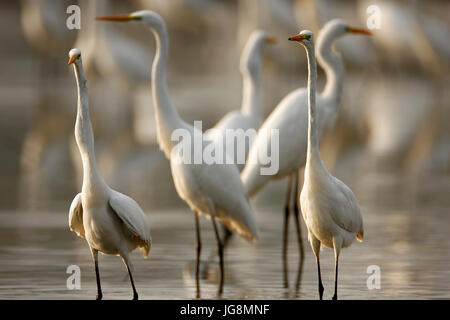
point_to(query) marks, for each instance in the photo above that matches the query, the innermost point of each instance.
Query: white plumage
(110, 221)
(250, 115)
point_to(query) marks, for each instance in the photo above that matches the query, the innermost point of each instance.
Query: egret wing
(132, 216)
(349, 216)
(76, 216)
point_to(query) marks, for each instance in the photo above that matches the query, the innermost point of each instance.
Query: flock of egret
(113, 223)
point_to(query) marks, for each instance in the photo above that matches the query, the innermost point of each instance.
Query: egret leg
(320, 279)
(199, 250)
(227, 235)
(337, 244)
(336, 264)
(97, 274)
(315, 246)
(220, 253)
(285, 233)
(135, 294)
(298, 189)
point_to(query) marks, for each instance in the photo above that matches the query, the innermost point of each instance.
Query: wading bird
(330, 209)
(250, 115)
(215, 190)
(110, 221)
(290, 118)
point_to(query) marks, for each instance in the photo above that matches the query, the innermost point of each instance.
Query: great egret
(215, 190)
(110, 221)
(330, 209)
(290, 118)
(250, 115)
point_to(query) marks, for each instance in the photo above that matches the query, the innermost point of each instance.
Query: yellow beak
(359, 30)
(271, 40)
(72, 58)
(115, 18)
(297, 37)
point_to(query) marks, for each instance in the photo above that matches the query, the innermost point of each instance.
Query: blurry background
(391, 144)
(393, 128)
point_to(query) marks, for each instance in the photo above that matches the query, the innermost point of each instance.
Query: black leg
(227, 235)
(320, 279)
(220, 253)
(286, 233)
(336, 264)
(197, 262)
(135, 294)
(299, 230)
(97, 274)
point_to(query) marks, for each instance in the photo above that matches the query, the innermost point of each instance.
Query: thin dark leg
(286, 233)
(336, 277)
(220, 253)
(197, 262)
(320, 279)
(135, 294)
(299, 230)
(97, 274)
(227, 235)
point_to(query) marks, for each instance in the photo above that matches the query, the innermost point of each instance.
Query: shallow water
(411, 249)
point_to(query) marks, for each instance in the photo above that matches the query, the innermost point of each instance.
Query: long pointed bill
(271, 40)
(72, 59)
(359, 30)
(123, 18)
(297, 37)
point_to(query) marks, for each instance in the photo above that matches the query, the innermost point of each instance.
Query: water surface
(411, 249)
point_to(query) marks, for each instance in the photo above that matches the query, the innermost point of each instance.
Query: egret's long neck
(333, 66)
(167, 118)
(83, 130)
(313, 139)
(250, 94)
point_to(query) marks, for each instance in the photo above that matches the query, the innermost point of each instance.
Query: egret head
(74, 55)
(338, 27)
(143, 16)
(251, 57)
(305, 37)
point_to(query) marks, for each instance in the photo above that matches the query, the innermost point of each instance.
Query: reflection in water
(410, 247)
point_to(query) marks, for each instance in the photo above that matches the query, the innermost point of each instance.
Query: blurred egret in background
(250, 116)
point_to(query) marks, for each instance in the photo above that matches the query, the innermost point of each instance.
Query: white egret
(290, 118)
(250, 116)
(110, 221)
(330, 209)
(215, 190)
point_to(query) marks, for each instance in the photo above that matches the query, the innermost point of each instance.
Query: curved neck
(167, 118)
(313, 140)
(333, 66)
(250, 95)
(83, 129)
